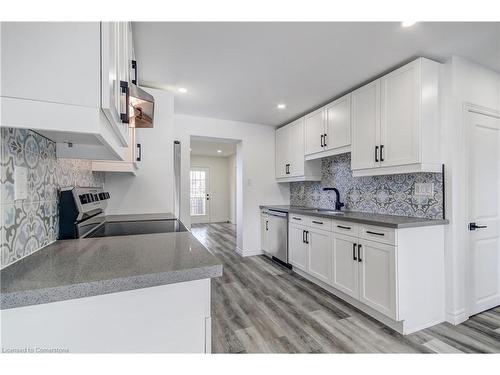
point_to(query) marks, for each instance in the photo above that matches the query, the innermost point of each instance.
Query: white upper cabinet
(290, 163)
(63, 80)
(328, 129)
(395, 122)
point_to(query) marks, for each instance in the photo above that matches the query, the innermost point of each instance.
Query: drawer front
(299, 219)
(345, 227)
(321, 223)
(378, 234)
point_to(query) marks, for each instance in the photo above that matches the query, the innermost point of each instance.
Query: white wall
(219, 186)
(151, 190)
(255, 154)
(463, 83)
(232, 189)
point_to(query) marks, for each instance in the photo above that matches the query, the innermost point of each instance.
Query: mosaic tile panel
(29, 224)
(391, 194)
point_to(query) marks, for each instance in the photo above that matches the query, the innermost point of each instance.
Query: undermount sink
(323, 211)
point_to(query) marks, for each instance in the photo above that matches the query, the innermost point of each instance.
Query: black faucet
(338, 203)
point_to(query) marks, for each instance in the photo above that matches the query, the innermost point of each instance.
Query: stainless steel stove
(82, 215)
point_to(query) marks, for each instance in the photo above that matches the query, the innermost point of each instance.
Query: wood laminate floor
(259, 306)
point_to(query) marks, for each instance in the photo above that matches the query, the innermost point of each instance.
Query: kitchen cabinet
(290, 163)
(63, 80)
(395, 122)
(377, 276)
(297, 248)
(345, 267)
(133, 156)
(396, 275)
(328, 129)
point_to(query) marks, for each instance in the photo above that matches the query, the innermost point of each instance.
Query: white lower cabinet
(377, 276)
(345, 265)
(394, 275)
(319, 254)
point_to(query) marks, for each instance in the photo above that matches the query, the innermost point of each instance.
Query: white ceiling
(204, 146)
(241, 71)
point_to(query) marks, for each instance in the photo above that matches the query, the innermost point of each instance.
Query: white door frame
(205, 218)
(469, 273)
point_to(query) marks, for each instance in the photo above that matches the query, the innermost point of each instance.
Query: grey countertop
(390, 221)
(88, 267)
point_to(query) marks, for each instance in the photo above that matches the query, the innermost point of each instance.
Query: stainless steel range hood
(141, 107)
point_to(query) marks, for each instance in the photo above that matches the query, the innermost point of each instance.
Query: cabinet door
(282, 148)
(296, 149)
(319, 254)
(297, 249)
(377, 277)
(345, 265)
(365, 121)
(314, 128)
(338, 123)
(263, 232)
(400, 116)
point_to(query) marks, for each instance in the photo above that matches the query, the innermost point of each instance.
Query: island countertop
(390, 221)
(70, 269)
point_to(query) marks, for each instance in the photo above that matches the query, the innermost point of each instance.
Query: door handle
(307, 236)
(322, 137)
(303, 236)
(376, 154)
(354, 252)
(124, 99)
(381, 152)
(359, 253)
(267, 225)
(375, 233)
(474, 226)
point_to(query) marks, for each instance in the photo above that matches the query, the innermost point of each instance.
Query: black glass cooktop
(127, 228)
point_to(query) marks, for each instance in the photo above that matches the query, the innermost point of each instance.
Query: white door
(365, 122)
(400, 116)
(314, 129)
(200, 195)
(345, 264)
(338, 123)
(484, 211)
(296, 148)
(282, 149)
(297, 248)
(319, 254)
(377, 276)
(264, 228)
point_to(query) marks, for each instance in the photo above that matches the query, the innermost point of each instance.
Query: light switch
(20, 183)
(424, 189)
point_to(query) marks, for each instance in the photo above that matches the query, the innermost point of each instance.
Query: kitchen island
(139, 293)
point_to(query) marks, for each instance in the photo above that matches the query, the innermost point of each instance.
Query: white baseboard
(251, 253)
(456, 317)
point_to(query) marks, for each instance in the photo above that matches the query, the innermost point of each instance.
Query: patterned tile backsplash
(391, 194)
(29, 224)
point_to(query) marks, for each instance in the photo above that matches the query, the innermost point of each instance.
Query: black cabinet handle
(381, 152)
(359, 253)
(341, 226)
(139, 152)
(354, 252)
(307, 236)
(317, 222)
(303, 236)
(296, 218)
(134, 66)
(324, 139)
(376, 154)
(267, 226)
(375, 233)
(124, 91)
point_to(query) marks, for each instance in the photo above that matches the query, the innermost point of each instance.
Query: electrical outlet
(424, 189)
(20, 183)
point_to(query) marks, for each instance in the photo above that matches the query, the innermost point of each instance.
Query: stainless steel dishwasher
(275, 243)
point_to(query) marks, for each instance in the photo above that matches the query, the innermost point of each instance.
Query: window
(198, 193)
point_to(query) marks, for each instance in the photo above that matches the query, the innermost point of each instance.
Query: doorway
(483, 135)
(199, 196)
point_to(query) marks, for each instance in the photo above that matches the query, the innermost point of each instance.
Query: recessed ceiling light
(219, 151)
(281, 106)
(182, 90)
(408, 23)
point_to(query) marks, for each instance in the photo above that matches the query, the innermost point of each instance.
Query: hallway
(261, 307)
